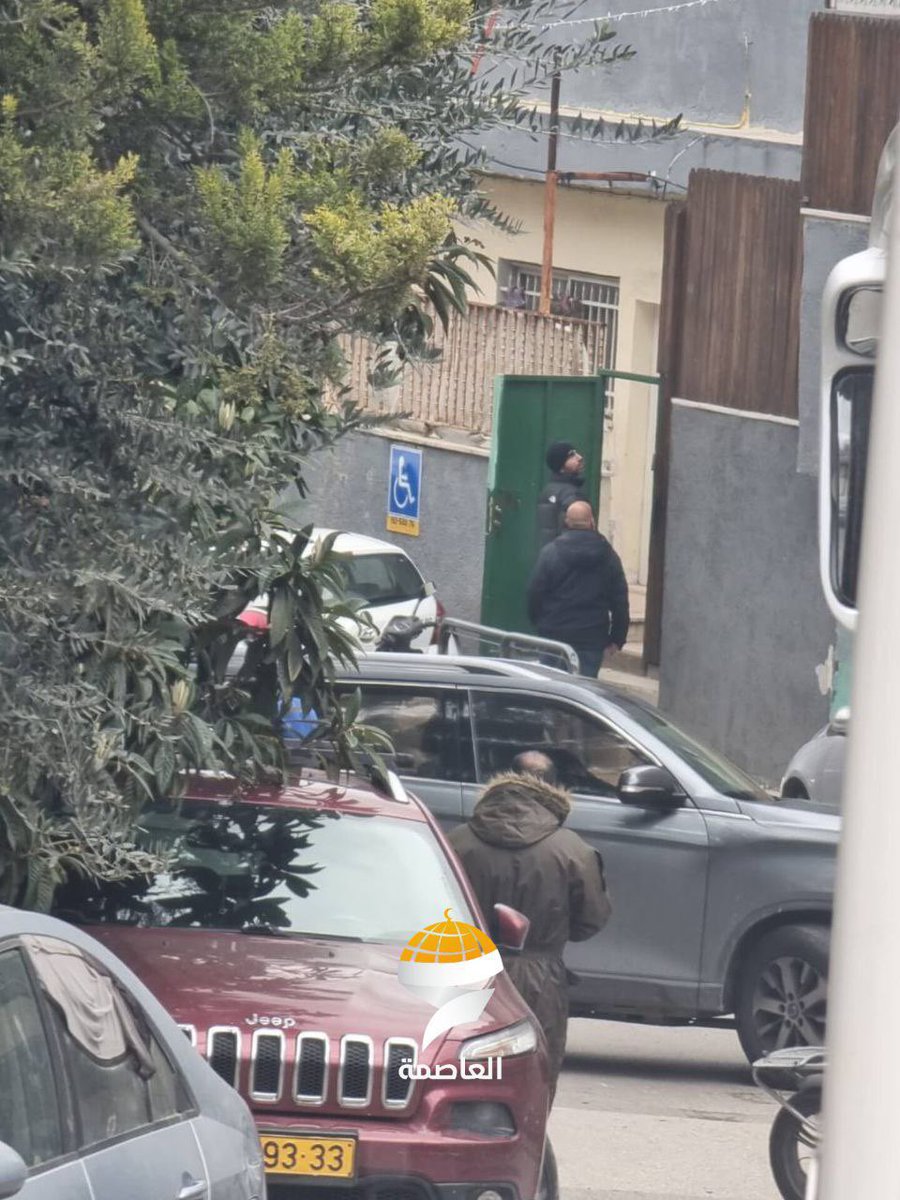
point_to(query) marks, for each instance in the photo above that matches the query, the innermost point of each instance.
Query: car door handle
(193, 1189)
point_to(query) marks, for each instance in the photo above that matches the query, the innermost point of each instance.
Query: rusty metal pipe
(550, 198)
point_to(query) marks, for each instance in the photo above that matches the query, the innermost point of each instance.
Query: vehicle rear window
(382, 578)
(266, 870)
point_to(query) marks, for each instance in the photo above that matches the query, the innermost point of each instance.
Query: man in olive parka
(515, 851)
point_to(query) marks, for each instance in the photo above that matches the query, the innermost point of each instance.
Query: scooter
(400, 632)
(794, 1078)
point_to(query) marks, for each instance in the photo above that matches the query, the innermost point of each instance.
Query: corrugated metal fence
(457, 389)
(852, 102)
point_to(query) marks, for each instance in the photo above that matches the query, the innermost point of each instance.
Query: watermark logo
(449, 965)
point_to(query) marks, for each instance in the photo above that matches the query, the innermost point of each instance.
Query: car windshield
(381, 578)
(281, 872)
(717, 771)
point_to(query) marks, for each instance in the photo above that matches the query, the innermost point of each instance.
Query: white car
(816, 772)
(386, 579)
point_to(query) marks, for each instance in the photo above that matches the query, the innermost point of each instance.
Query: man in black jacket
(565, 486)
(578, 592)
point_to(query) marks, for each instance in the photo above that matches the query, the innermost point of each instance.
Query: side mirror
(404, 764)
(851, 314)
(649, 787)
(511, 927)
(840, 722)
(13, 1172)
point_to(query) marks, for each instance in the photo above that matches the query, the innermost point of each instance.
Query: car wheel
(794, 789)
(782, 991)
(548, 1188)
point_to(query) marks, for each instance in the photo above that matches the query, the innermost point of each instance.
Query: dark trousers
(590, 658)
(543, 985)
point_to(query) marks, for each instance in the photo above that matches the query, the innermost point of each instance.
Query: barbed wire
(613, 17)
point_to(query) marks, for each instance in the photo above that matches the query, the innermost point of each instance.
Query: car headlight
(504, 1043)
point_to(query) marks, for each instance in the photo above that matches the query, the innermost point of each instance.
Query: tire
(794, 789)
(782, 991)
(548, 1188)
(789, 1149)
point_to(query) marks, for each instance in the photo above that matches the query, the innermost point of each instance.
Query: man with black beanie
(565, 486)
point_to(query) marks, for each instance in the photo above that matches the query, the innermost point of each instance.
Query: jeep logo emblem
(274, 1022)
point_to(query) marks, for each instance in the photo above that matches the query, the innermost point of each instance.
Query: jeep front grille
(267, 1059)
(223, 1045)
(312, 1067)
(397, 1090)
(355, 1086)
(307, 1070)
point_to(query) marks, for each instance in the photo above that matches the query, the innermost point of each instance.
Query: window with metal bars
(587, 297)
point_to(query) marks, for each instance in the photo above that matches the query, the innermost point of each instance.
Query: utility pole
(550, 198)
(551, 183)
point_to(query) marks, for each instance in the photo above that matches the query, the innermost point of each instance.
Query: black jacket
(578, 588)
(553, 502)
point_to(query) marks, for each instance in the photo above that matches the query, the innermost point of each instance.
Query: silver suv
(102, 1097)
(722, 894)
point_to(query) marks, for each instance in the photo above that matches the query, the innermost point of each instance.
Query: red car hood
(207, 978)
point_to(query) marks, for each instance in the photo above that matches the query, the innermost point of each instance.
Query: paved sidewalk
(647, 1113)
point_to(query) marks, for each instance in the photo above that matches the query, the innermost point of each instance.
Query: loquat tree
(196, 198)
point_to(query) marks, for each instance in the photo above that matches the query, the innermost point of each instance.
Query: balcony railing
(457, 389)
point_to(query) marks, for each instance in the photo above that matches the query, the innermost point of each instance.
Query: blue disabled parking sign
(404, 490)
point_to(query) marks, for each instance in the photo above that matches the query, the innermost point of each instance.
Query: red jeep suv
(274, 936)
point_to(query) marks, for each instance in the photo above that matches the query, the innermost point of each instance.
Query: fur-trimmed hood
(519, 810)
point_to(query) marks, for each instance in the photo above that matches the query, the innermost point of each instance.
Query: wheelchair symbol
(402, 487)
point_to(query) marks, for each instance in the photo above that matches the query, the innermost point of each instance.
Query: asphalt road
(644, 1112)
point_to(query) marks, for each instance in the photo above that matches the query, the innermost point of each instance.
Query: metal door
(530, 412)
(158, 1164)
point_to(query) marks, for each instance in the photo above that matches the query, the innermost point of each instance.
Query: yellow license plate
(323, 1158)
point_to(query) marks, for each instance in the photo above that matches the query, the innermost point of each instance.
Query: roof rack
(371, 661)
(504, 643)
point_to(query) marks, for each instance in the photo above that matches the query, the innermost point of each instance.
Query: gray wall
(744, 624)
(825, 242)
(518, 154)
(699, 61)
(348, 490)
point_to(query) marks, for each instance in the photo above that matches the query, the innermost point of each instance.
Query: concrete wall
(745, 624)
(701, 61)
(735, 71)
(516, 153)
(348, 490)
(825, 242)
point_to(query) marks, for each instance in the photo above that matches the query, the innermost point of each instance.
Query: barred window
(587, 297)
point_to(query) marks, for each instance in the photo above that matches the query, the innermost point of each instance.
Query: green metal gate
(530, 412)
